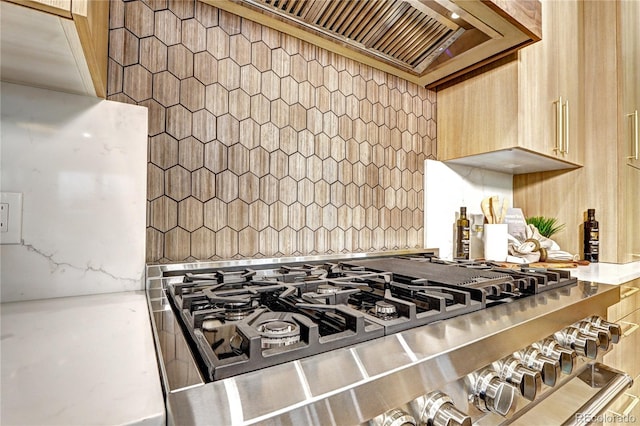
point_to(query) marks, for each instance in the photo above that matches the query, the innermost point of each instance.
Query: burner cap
(385, 310)
(277, 333)
(235, 311)
(327, 289)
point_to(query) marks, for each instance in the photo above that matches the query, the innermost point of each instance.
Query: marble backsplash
(449, 187)
(80, 164)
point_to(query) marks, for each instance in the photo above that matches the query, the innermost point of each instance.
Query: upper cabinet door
(629, 79)
(423, 41)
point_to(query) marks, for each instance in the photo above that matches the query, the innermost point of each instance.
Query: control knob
(584, 345)
(603, 334)
(614, 329)
(489, 393)
(437, 409)
(549, 368)
(552, 349)
(525, 379)
(395, 417)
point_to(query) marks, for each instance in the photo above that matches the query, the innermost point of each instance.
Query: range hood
(424, 41)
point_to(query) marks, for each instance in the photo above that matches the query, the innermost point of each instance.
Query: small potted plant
(547, 226)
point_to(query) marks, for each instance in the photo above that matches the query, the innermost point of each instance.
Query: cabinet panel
(629, 301)
(625, 356)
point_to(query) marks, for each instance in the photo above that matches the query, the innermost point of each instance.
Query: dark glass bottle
(591, 237)
(462, 235)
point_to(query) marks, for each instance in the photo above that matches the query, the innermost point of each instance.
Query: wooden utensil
(485, 205)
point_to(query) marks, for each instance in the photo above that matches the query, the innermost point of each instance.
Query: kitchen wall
(261, 144)
(79, 163)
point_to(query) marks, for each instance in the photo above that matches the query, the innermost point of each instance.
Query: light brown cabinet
(525, 115)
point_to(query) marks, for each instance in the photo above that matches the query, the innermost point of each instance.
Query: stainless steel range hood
(424, 41)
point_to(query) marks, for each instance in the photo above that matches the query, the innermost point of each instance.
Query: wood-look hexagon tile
(412, 238)
(240, 49)
(365, 153)
(157, 4)
(155, 182)
(314, 121)
(259, 161)
(305, 143)
(290, 44)
(330, 124)
(344, 219)
(258, 215)
(412, 199)
(178, 122)
(203, 243)
(194, 35)
(116, 14)
(321, 241)
(345, 171)
(215, 156)
(205, 68)
(329, 170)
(359, 174)
(306, 95)
(396, 218)
(136, 83)
(260, 109)
(384, 217)
(337, 193)
(287, 241)
(366, 196)
(407, 178)
(177, 244)
(431, 129)
(359, 88)
(239, 104)
(305, 192)
(315, 73)
(345, 83)
(123, 46)
(288, 190)
(180, 61)
(407, 219)
(280, 63)
(372, 132)
(251, 30)
(322, 146)
(227, 186)
(378, 114)
(190, 153)
(396, 139)
(183, 9)
(338, 103)
(365, 239)
(138, 18)
(314, 168)
(250, 79)
(248, 187)
(261, 56)
(248, 242)
(163, 214)
(297, 166)
(384, 136)
(177, 183)
(288, 140)
(203, 184)
(238, 159)
(418, 217)
(156, 116)
(352, 195)
(269, 136)
(289, 90)
(278, 215)
(218, 43)
(323, 99)
(330, 78)
(278, 164)
(115, 72)
(396, 178)
(352, 107)
(338, 148)
(358, 217)
(226, 242)
(268, 189)
(190, 214)
(306, 241)
(269, 242)
(390, 118)
(192, 94)
(401, 198)
(279, 113)
(389, 197)
(359, 130)
(271, 37)
(298, 68)
(249, 133)
(270, 84)
(229, 74)
(168, 27)
(153, 54)
(217, 99)
(314, 216)
(372, 175)
(352, 151)
(371, 217)
(228, 129)
(166, 89)
(206, 14)
(155, 245)
(204, 126)
(337, 241)
(238, 212)
(418, 181)
(215, 214)
(322, 193)
(297, 216)
(229, 22)
(163, 150)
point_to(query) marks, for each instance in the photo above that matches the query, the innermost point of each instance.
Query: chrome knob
(492, 394)
(603, 334)
(549, 368)
(584, 345)
(614, 329)
(552, 349)
(525, 379)
(395, 417)
(437, 409)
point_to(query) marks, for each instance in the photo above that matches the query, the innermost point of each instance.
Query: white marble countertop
(86, 360)
(608, 273)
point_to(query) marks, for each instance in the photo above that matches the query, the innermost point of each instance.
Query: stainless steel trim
(566, 126)
(634, 154)
(559, 135)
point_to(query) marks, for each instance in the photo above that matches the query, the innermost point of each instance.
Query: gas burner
(278, 333)
(236, 311)
(327, 289)
(384, 310)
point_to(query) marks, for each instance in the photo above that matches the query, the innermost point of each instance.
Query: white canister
(496, 243)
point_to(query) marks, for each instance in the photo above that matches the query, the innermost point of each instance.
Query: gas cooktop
(244, 318)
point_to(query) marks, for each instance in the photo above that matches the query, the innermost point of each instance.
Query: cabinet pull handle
(558, 147)
(631, 291)
(632, 404)
(632, 328)
(566, 126)
(634, 153)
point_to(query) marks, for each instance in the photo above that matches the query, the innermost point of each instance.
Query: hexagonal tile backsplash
(263, 145)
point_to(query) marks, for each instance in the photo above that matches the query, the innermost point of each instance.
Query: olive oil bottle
(591, 237)
(462, 235)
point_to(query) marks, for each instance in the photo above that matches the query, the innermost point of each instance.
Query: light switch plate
(11, 218)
